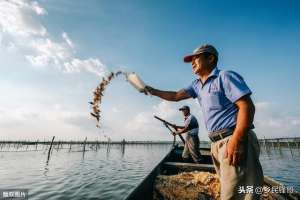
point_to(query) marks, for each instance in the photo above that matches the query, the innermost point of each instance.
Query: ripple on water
(107, 174)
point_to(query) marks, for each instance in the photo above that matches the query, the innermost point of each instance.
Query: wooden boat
(172, 164)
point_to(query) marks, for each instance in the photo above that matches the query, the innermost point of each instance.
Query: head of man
(185, 110)
(203, 59)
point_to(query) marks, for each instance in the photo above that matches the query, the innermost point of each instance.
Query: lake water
(109, 173)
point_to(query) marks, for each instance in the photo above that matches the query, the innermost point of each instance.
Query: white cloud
(48, 53)
(17, 17)
(144, 127)
(67, 39)
(295, 122)
(140, 122)
(273, 121)
(43, 121)
(262, 105)
(91, 65)
(20, 26)
(165, 109)
(115, 110)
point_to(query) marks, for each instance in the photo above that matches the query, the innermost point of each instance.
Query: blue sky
(53, 54)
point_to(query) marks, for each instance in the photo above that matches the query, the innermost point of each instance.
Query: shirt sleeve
(191, 90)
(234, 86)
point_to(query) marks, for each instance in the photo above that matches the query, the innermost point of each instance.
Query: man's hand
(174, 126)
(149, 89)
(177, 132)
(235, 151)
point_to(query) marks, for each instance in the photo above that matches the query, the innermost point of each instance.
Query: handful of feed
(98, 93)
(132, 78)
(187, 186)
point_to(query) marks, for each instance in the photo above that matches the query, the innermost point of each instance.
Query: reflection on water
(109, 171)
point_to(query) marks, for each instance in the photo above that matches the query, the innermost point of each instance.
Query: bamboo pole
(36, 144)
(49, 152)
(84, 144)
(265, 144)
(70, 146)
(290, 147)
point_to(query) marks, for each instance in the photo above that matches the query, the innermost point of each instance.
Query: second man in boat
(191, 127)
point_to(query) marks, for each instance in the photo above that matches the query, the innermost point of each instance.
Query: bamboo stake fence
(86, 145)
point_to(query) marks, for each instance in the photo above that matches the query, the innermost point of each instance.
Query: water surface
(110, 172)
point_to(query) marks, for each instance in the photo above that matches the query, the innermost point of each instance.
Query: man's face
(200, 63)
(185, 112)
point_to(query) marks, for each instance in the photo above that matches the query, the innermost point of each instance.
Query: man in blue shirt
(191, 127)
(228, 113)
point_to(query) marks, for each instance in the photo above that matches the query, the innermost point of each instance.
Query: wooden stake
(49, 152)
(84, 144)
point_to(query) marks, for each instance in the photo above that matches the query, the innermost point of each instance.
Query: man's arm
(169, 95)
(245, 116)
(182, 130)
(179, 127)
(185, 128)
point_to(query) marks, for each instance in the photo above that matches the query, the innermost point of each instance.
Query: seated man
(191, 127)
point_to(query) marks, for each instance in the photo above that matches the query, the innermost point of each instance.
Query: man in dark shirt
(191, 127)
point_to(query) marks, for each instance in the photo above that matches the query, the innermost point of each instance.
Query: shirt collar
(214, 72)
(185, 117)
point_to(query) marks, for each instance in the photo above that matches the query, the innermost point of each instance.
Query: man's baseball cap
(206, 48)
(184, 108)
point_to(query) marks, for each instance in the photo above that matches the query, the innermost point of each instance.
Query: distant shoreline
(34, 142)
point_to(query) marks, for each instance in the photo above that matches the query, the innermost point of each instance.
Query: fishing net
(195, 186)
(187, 186)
